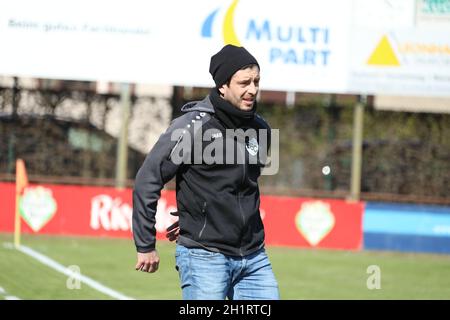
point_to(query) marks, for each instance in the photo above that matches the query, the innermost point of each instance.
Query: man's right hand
(173, 231)
(147, 262)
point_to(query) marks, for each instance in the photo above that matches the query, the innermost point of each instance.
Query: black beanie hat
(227, 61)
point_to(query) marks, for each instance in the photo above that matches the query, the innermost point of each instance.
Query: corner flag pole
(21, 184)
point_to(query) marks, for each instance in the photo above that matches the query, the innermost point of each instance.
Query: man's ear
(222, 89)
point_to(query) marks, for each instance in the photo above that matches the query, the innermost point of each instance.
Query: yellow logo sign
(228, 31)
(229, 34)
(383, 55)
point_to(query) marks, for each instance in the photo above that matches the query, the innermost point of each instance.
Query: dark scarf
(229, 115)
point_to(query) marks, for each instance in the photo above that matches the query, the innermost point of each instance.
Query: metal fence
(61, 133)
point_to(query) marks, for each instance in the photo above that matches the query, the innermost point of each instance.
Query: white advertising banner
(300, 45)
(393, 51)
(403, 62)
(88, 40)
(346, 46)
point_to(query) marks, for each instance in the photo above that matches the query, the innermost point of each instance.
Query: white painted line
(78, 276)
(7, 297)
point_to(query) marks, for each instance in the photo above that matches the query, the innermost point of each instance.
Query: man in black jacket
(216, 150)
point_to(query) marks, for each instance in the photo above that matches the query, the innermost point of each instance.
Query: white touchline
(60, 268)
(6, 296)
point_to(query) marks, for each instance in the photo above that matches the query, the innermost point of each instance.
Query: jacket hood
(203, 106)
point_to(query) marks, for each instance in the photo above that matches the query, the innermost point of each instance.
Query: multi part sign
(347, 46)
(301, 44)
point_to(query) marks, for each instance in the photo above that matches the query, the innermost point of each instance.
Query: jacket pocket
(192, 203)
(205, 217)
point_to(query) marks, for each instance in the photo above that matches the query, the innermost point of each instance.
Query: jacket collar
(204, 105)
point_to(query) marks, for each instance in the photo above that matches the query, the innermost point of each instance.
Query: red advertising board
(106, 212)
(307, 222)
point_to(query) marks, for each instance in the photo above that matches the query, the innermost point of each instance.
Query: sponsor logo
(314, 221)
(383, 54)
(37, 207)
(228, 32)
(113, 214)
(401, 52)
(217, 135)
(298, 44)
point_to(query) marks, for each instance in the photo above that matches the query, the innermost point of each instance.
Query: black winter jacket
(218, 204)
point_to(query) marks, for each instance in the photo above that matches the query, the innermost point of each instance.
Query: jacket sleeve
(154, 173)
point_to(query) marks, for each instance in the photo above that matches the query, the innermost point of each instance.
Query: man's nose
(253, 89)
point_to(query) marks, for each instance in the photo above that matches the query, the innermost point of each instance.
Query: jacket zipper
(239, 199)
(243, 222)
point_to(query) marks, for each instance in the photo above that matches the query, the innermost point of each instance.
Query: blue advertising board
(400, 227)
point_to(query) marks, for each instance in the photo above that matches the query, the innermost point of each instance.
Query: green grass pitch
(301, 273)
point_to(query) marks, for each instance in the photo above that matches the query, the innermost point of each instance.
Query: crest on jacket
(252, 146)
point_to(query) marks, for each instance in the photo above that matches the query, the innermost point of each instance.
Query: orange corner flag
(21, 184)
(21, 176)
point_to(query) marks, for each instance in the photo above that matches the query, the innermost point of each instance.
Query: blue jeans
(206, 275)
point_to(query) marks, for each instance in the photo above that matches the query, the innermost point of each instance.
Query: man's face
(243, 88)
